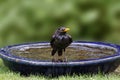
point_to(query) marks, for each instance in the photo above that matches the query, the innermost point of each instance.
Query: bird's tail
(53, 52)
(60, 52)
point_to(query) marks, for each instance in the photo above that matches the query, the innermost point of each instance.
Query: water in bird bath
(73, 52)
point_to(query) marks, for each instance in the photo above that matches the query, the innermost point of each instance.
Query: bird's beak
(66, 29)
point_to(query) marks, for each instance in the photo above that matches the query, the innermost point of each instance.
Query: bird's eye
(58, 28)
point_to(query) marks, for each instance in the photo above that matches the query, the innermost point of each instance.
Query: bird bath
(82, 57)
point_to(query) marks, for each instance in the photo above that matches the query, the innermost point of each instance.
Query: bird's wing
(70, 39)
(52, 40)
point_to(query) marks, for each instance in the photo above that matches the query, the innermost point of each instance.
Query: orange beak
(66, 29)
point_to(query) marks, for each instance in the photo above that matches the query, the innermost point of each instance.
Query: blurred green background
(36, 20)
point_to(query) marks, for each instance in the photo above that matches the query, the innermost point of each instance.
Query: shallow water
(80, 52)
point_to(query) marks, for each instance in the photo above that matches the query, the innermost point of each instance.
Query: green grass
(6, 74)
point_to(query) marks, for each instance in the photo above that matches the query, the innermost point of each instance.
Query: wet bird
(60, 40)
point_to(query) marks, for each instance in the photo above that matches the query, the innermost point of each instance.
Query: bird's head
(63, 30)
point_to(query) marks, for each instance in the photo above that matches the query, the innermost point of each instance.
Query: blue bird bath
(82, 58)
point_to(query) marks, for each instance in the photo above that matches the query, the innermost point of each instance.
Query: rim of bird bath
(8, 59)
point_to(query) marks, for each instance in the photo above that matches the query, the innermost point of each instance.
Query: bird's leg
(65, 57)
(60, 59)
(54, 59)
(52, 54)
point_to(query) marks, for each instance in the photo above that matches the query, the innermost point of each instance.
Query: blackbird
(60, 40)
